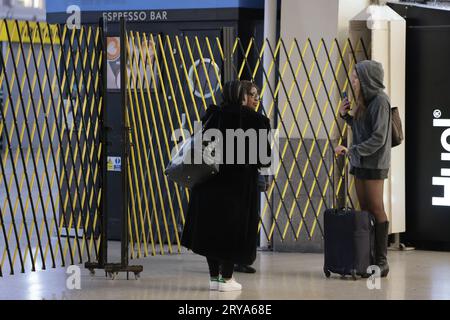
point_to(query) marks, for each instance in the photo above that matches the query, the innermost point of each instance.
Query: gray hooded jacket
(372, 132)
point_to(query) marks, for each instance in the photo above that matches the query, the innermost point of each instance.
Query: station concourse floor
(286, 276)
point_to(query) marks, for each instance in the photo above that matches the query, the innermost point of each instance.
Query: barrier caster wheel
(327, 273)
(137, 275)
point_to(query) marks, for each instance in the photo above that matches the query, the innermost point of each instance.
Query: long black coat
(223, 214)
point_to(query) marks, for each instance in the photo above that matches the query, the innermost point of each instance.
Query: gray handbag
(182, 169)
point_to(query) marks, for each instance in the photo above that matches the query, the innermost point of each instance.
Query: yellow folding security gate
(53, 167)
(173, 79)
(51, 149)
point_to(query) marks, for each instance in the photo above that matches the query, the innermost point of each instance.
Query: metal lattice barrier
(50, 162)
(172, 77)
(53, 152)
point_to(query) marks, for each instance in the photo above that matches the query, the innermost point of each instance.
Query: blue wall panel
(54, 6)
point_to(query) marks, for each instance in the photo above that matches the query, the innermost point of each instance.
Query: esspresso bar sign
(444, 178)
(115, 16)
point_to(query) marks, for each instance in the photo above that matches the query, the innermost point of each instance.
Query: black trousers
(216, 267)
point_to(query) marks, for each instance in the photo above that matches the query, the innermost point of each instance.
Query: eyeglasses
(254, 95)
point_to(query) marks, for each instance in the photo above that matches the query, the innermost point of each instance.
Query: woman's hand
(345, 107)
(341, 150)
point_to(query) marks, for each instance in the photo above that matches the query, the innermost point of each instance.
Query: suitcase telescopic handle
(346, 198)
(346, 161)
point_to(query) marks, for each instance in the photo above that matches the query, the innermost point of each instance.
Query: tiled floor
(414, 275)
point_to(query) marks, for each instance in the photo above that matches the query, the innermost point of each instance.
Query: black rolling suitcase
(349, 241)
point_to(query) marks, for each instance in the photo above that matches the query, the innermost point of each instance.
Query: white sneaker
(214, 284)
(229, 285)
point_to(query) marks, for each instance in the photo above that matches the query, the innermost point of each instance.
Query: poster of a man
(140, 58)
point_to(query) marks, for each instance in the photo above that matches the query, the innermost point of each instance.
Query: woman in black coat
(222, 217)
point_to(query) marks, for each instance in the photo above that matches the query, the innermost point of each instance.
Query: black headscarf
(233, 93)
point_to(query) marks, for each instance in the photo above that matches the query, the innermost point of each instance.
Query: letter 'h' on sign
(444, 179)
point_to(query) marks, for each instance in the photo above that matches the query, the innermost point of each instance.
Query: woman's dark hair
(233, 93)
(248, 86)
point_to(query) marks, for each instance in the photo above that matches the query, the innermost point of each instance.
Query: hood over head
(371, 75)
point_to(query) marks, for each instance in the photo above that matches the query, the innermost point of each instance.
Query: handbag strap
(218, 113)
(389, 125)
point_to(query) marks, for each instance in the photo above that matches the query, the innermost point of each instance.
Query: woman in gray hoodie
(370, 153)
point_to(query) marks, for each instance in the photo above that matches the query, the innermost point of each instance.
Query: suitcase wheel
(327, 273)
